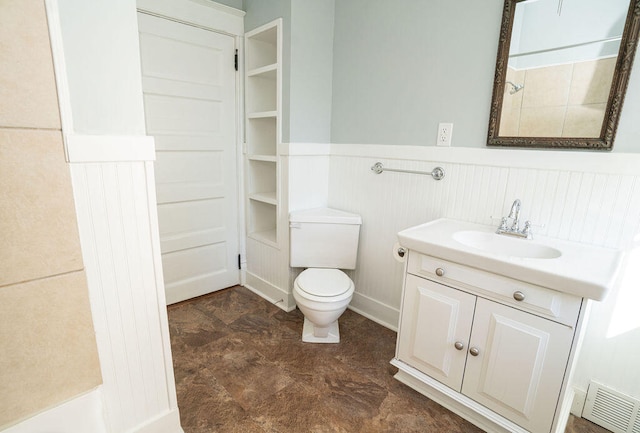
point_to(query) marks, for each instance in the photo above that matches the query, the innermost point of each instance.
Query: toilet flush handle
(295, 225)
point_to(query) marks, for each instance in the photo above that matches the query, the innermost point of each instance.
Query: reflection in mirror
(562, 71)
(562, 56)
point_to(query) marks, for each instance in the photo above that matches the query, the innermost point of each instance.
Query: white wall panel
(111, 30)
(308, 182)
(118, 228)
(268, 273)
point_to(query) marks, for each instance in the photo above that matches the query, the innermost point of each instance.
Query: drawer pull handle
(440, 272)
(459, 345)
(518, 296)
(474, 351)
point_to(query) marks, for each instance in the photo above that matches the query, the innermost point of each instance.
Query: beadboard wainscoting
(586, 197)
(114, 190)
(592, 198)
(268, 273)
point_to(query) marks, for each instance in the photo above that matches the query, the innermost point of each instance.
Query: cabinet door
(434, 319)
(520, 364)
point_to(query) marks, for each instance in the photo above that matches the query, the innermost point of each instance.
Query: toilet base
(333, 334)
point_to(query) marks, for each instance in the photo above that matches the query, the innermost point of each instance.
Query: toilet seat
(322, 295)
(324, 283)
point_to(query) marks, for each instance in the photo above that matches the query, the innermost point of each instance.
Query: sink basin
(503, 245)
(583, 270)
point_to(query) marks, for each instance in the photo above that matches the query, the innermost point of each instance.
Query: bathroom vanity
(490, 325)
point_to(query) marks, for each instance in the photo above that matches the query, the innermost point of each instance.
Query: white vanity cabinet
(493, 349)
(435, 329)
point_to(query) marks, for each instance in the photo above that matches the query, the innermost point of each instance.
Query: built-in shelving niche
(263, 115)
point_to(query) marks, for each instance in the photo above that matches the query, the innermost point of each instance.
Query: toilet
(324, 241)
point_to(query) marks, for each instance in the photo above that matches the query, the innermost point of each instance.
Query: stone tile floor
(240, 366)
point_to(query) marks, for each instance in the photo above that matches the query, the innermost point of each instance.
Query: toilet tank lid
(324, 215)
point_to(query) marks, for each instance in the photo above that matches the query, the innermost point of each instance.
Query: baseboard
(579, 399)
(81, 414)
(271, 293)
(380, 313)
(165, 423)
(457, 403)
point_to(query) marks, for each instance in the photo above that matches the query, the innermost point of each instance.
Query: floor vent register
(612, 410)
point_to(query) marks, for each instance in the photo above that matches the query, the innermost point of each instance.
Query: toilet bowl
(323, 241)
(322, 295)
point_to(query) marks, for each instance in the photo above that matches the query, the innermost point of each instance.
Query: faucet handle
(526, 230)
(503, 224)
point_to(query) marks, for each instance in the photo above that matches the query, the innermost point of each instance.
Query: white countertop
(582, 270)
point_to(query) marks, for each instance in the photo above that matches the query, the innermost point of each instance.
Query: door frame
(228, 21)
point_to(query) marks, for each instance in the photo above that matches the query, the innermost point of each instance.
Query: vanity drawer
(554, 305)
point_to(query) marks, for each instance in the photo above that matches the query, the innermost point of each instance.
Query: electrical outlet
(445, 130)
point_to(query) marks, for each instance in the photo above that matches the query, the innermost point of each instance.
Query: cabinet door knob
(518, 296)
(458, 345)
(474, 351)
(439, 272)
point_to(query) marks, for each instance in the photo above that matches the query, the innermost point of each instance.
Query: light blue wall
(238, 4)
(400, 68)
(311, 70)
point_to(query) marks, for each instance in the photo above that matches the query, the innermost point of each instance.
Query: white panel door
(435, 329)
(520, 364)
(189, 85)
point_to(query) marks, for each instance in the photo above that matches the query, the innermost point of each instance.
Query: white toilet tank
(324, 238)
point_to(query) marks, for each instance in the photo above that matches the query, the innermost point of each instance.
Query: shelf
(268, 197)
(268, 72)
(263, 224)
(262, 105)
(262, 91)
(262, 46)
(262, 136)
(262, 176)
(269, 237)
(264, 158)
(262, 114)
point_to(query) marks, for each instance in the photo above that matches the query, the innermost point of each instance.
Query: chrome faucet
(514, 229)
(514, 214)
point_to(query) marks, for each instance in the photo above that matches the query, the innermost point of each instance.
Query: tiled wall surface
(39, 234)
(28, 88)
(46, 332)
(557, 101)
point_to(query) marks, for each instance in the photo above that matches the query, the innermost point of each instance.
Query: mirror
(562, 72)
